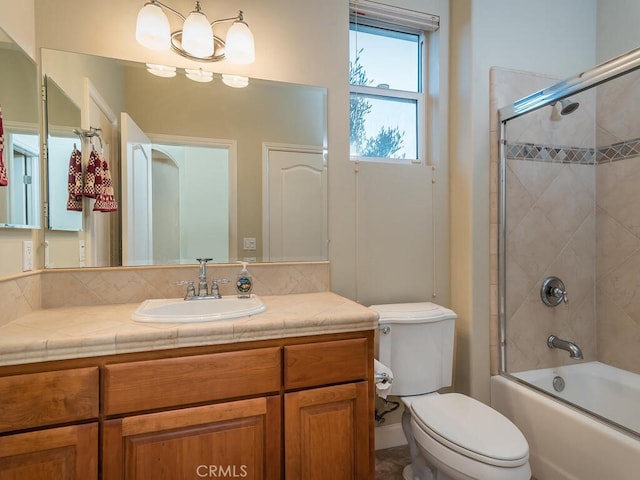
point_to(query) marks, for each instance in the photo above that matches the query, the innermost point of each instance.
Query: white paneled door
(295, 204)
(137, 231)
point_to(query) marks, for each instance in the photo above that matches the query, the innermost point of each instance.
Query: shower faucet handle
(560, 293)
(553, 292)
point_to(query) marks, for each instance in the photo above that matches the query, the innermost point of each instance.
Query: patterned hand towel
(105, 200)
(4, 181)
(74, 186)
(90, 176)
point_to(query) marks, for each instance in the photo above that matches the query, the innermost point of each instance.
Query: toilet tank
(416, 343)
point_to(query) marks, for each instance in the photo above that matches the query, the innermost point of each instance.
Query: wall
(301, 53)
(18, 21)
(516, 34)
(617, 28)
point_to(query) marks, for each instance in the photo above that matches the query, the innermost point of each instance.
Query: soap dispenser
(244, 283)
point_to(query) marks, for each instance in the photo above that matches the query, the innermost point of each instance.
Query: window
(388, 80)
(386, 92)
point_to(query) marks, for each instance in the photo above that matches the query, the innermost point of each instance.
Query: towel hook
(92, 132)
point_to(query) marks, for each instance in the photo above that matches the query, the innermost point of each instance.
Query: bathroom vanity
(294, 400)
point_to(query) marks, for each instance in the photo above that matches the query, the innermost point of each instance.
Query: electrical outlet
(250, 243)
(27, 255)
(81, 252)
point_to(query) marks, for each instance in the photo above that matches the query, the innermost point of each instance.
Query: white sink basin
(178, 310)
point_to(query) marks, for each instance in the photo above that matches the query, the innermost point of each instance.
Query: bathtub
(599, 388)
(564, 442)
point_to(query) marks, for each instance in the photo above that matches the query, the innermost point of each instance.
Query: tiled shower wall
(557, 225)
(618, 222)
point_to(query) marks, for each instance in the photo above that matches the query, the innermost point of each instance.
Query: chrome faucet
(203, 288)
(572, 348)
(203, 292)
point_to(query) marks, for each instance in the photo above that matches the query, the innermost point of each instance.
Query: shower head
(567, 106)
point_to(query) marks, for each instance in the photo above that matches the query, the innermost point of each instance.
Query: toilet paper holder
(382, 377)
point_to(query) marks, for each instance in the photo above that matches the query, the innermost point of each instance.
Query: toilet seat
(471, 428)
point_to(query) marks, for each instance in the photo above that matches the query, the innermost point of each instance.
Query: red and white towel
(4, 180)
(74, 202)
(105, 200)
(90, 176)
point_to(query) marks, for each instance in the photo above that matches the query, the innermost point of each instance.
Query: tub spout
(572, 348)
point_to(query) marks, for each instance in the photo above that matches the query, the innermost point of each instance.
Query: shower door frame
(593, 77)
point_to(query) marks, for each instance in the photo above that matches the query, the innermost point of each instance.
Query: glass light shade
(239, 44)
(198, 75)
(235, 81)
(152, 28)
(197, 35)
(161, 70)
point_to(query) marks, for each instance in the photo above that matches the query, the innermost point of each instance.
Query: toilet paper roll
(383, 378)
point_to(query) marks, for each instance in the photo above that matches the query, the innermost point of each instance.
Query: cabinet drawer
(39, 399)
(169, 382)
(325, 363)
(69, 453)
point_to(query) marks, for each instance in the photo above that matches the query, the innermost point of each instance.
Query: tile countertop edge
(82, 332)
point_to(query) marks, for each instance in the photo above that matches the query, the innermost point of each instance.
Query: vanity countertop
(76, 332)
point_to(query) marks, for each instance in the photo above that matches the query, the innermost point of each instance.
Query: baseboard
(388, 436)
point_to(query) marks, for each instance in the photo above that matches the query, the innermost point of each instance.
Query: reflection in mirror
(63, 117)
(19, 138)
(202, 169)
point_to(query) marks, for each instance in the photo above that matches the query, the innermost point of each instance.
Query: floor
(391, 461)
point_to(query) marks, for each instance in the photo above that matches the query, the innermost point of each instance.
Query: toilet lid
(421, 312)
(471, 428)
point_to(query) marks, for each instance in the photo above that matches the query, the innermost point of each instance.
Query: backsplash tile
(108, 286)
(23, 294)
(19, 295)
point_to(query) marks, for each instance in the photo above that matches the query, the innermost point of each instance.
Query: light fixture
(198, 75)
(161, 70)
(196, 39)
(235, 81)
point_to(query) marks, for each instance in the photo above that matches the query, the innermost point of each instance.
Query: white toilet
(451, 436)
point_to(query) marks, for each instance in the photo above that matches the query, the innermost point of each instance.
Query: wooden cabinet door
(327, 433)
(239, 439)
(64, 453)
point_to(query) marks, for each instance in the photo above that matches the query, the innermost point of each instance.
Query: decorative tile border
(551, 154)
(618, 151)
(582, 156)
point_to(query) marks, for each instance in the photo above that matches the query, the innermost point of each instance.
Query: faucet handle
(203, 260)
(191, 289)
(217, 281)
(560, 293)
(215, 292)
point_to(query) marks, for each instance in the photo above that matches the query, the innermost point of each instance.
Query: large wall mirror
(19, 138)
(149, 167)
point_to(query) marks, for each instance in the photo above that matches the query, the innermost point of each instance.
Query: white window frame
(372, 14)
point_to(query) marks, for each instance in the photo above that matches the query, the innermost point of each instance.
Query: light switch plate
(27, 255)
(250, 243)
